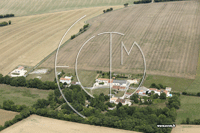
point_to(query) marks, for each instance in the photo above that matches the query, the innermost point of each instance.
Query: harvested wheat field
(30, 7)
(186, 129)
(31, 38)
(6, 116)
(167, 32)
(40, 124)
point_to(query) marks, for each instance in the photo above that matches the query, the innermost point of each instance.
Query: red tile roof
(120, 100)
(104, 79)
(64, 79)
(20, 68)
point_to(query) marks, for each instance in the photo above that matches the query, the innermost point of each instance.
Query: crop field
(168, 34)
(21, 95)
(186, 129)
(24, 7)
(6, 116)
(194, 87)
(29, 39)
(190, 106)
(40, 124)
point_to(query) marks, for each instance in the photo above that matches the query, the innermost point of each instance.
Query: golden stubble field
(167, 32)
(38, 124)
(31, 38)
(6, 116)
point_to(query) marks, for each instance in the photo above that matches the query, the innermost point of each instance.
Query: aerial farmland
(99, 66)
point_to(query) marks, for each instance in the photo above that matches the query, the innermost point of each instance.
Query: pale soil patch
(186, 129)
(40, 124)
(6, 116)
(31, 38)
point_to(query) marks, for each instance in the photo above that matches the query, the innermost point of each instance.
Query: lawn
(21, 95)
(105, 91)
(190, 107)
(177, 84)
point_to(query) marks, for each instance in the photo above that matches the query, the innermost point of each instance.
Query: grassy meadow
(21, 95)
(190, 107)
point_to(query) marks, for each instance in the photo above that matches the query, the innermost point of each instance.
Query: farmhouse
(113, 99)
(66, 80)
(156, 91)
(141, 92)
(134, 81)
(119, 88)
(168, 88)
(123, 101)
(20, 71)
(127, 95)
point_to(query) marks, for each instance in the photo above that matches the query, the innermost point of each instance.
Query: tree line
(142, 119)
(85, 27)
(166, 0)
(142, 1)
(7, 16)
(191, 94)
(31, 83)
(108, 10)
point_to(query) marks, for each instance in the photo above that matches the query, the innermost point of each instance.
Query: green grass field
(87, 78)
(177, 84)
(21, 95)
(195, 86)
(105, 91)
(23, 7)
(190, 107)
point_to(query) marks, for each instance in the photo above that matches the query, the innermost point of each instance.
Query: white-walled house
(66, 79)
(156, 91)
(20, 71)
(168, 89)
(134, 81)
(105, 81)
(123, 101)
(113, 99)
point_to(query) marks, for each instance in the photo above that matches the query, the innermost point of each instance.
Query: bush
(73, 36)
(126, 4)
(9, 22)
(3, 24)
(184, 93)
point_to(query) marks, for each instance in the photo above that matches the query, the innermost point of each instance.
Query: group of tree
(85, 27)
(126, 4)
(166, 0)
(188, 121)
(142, 1)
(191, 94)
(7, 16)
(142, 119)
(31, 83)
(5, 23)
(159, 86)
(108, 10)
